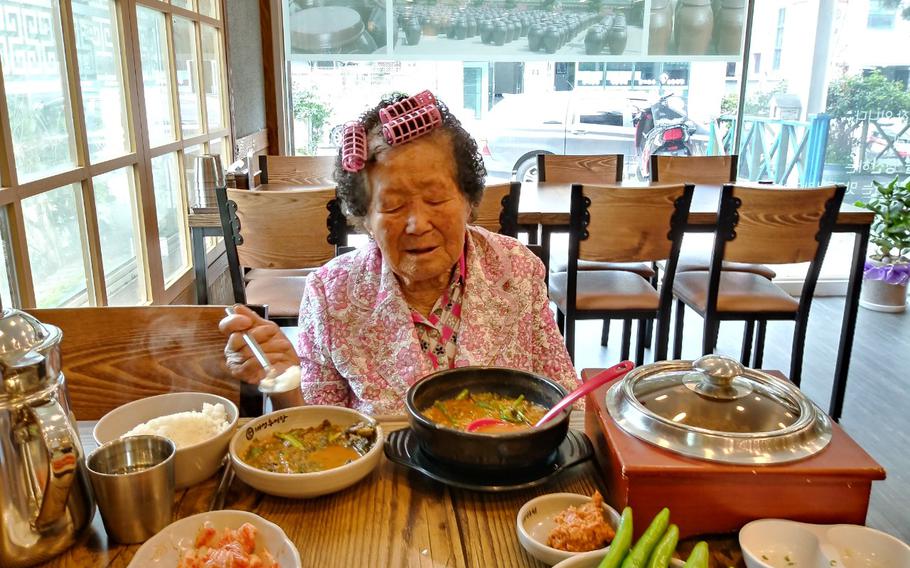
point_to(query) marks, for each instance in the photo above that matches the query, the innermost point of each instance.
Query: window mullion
(71, 72)
(200, 80)
(8, 176)
(91, 244)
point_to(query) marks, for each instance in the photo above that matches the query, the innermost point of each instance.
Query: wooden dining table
(547, 204)
(394, 517)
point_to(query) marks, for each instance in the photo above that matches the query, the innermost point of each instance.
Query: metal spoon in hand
(274, 382)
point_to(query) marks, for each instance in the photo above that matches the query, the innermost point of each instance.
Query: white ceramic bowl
(776, 543)
(535, 521)
(299, 485)
(192, 464)
(593, 558)
(164, 549)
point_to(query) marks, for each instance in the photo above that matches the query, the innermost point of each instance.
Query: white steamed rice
(186, 428)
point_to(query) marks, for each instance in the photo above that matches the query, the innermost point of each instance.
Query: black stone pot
(487, 451)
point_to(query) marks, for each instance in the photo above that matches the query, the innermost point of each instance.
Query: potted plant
(887, 271)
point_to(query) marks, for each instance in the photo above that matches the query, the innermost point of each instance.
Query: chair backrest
(278, 229)
(298, 170)
(694, 169)
(627, 224)
(594, 169)
(498, 208)
(774, 226)
(115, 355)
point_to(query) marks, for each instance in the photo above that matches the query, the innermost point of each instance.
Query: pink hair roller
(411, 125)
(353, 147)
(407, 105)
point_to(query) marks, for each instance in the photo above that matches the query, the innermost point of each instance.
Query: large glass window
(118, 228)
(187, 64)
(56, 248)
(37, 97)
(75, 188)
(171, 216)
(156, 78)
(101, 78)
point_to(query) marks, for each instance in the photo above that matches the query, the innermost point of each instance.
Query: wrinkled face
(417, 212)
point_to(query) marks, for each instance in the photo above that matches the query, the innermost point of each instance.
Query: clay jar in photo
(500, 31)
(661, 27)
(616, 39)
(728, 26)
(486, 31)
(551, 39)
(594, 40)
(412, 32)
(694, 26)
(535, 37)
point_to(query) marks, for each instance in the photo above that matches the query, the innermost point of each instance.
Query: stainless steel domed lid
(29, 354)
(717, 410)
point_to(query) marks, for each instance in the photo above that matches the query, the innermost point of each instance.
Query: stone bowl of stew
(441, 405)
(306, 451)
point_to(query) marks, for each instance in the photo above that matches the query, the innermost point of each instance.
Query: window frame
(137, 160)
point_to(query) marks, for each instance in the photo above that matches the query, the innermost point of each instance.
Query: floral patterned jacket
(357, 342)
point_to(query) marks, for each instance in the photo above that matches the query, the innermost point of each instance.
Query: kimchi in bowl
(440, 431)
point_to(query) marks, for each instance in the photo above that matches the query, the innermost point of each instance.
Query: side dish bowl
(478, 450)
(778, 543)
(300, 485)
(592, 560)
(192, 464)
(535, 522)
(165, 548)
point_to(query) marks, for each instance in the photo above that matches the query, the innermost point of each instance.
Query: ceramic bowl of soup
(306, 451)
(441, 405)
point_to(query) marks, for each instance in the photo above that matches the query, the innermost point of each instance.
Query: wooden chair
(776, 226)
(316, 171)
(593, 170)
(611, 224)
(112, 356)
(702, 170)
(498, 209)
(278, 234)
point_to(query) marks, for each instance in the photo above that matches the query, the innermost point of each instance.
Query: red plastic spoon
(598, 380)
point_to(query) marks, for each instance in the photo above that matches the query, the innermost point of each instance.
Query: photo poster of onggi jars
(696, 27)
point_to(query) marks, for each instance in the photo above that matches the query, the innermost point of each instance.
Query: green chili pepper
(660, 558)
(642, 549)
(621, 542)
(442, 409)
(699, 556)
(463, 394)
(518, 401)
(290, 439)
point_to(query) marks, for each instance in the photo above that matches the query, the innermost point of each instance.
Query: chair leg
(748, 332)
(799, 347)
(561, 321)
(709, 341)
(649, 332)
(570, 335)
(605, 333)
(626, 339)
(759, 350)
(678, 331)
(640, 342)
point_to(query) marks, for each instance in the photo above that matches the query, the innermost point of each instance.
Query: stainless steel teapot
(45, 494)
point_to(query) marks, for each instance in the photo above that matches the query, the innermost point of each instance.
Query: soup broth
(457, 412)
(307, 450)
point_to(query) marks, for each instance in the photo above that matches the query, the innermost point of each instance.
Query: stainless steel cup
(209, 175)
(133, 479)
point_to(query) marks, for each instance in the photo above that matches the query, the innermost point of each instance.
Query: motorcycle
(661, 129)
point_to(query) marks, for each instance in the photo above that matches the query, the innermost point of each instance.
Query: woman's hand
(240, 360)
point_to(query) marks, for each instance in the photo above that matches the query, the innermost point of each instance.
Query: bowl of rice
(199, 424)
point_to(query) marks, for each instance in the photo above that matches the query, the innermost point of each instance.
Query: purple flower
(897, 274)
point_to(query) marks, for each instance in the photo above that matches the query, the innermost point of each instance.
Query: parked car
(521, 126)
(578, 122)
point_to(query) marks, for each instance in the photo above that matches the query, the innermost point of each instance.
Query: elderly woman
(428, 292)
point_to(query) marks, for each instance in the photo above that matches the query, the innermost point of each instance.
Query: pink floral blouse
(359, 347)
(438, 332)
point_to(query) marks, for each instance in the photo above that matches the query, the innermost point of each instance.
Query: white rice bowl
(186, 428)
(193, 462)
